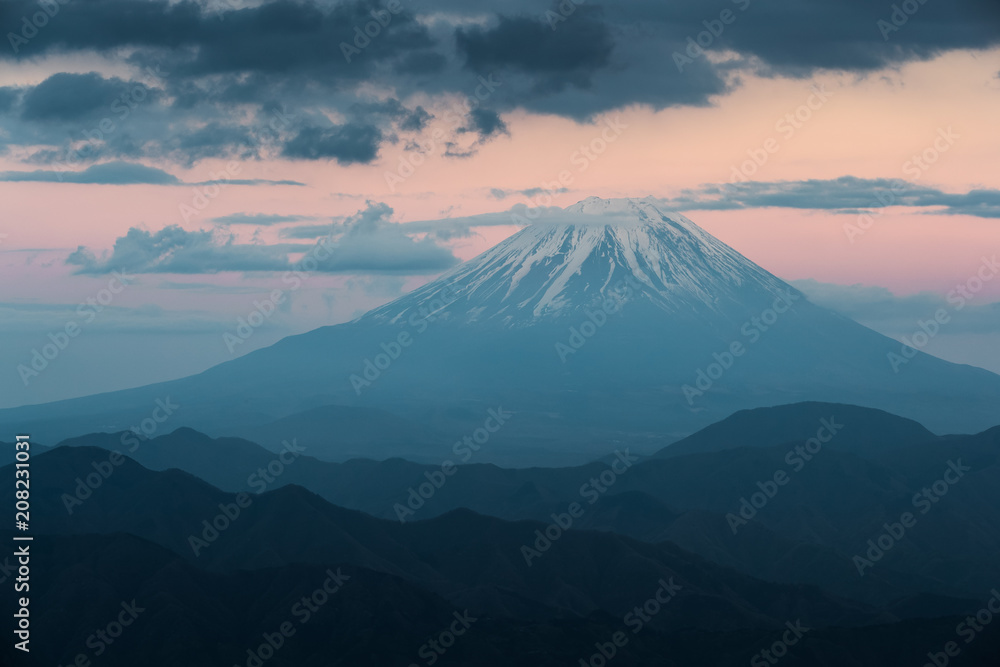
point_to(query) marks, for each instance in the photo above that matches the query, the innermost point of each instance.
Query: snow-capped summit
(577, 256)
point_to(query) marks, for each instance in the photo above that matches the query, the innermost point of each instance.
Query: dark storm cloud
(347, 144)
(567, 55)
(794, 37)
(8, 97)
(72, 97)
(573, 59)
(280, 36)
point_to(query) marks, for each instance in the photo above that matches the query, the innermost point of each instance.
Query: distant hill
(864, 430)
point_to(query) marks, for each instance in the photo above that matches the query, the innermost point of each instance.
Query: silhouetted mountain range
(131, 539)
(833, 501)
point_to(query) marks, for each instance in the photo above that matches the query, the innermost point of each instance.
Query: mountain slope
(611, 322)
(848, 427)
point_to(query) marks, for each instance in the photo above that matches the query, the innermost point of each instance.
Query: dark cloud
(73, 97)
(213, 140)
(486, 123)
(566, 53)
(280, 36)
(111, 173)
(347, 144)
(797, 38)
(8, 97)
(416, 120)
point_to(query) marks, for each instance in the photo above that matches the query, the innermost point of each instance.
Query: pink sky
(867, 128)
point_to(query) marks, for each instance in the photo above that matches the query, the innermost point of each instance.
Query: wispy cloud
(263, 219)
(847, 194)
(121, 173)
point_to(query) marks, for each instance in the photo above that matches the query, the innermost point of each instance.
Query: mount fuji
(608, 324)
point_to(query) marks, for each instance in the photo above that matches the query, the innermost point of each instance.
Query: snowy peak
(575, 257)
(628, 210)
